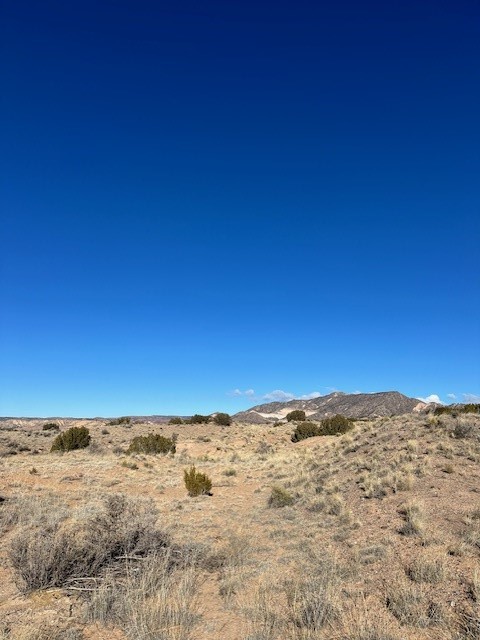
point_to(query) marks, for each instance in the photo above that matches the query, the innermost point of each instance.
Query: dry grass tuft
(413, 514)
(151, 601)
(427, 569)
(407, 603)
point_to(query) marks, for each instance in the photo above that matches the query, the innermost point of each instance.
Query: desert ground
(371, 535)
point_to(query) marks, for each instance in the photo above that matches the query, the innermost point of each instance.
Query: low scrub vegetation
(414, 519)
(197, 483)
(223, 419)
(152, 443)
(280, 497)
(327, 427)
(197, 418)
(296, 416)
(336, 425)
(290, 547)
(50, 426)
(64, 550)
(456, 409)
(73, 438)
(152, 601)
(123, 421)
(305, 430)
(175, 420)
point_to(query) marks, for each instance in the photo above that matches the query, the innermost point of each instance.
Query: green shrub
(199, 419)
(124, 420)
(73, 438)
(223, 419)
(335, 424)
(296, 416)
(153, 443)
(197, 483)
(280, 498)
(51, 426)
(455, 409)
(175, 420)
(328, 427)
(305, 430)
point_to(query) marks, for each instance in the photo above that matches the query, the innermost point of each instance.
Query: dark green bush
(335, 424)
(73, 438)
(305, 430)
(199, 419)
(223, 419)
(296, 416)
(197, 483)
(328, 427)
(153, 443)
(175, 420)
(51, 426)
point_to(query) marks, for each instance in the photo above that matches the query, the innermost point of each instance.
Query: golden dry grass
(378, 541)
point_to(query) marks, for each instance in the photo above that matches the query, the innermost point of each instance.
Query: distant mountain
(353, 405)
(65, 422)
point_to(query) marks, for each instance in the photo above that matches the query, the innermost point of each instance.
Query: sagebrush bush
(73, 438)
(296, 416)
(280, 497)
(175, 420)
(463, 429)
(61, 551)
(50, 426)
(223, 419)
(305, 430)
(152, 443)
(197, 483)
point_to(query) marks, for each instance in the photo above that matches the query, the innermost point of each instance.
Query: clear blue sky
(205, 198)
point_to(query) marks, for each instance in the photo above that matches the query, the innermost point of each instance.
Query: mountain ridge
(353, 405)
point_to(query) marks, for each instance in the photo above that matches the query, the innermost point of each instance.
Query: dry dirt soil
(372, 535)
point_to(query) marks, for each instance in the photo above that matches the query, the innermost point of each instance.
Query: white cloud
(432, 398)
(279, 396)
(471, 397)
(452, 396)
(236, 393)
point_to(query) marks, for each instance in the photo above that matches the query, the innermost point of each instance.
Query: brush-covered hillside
(369, 535)
(353, 405)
